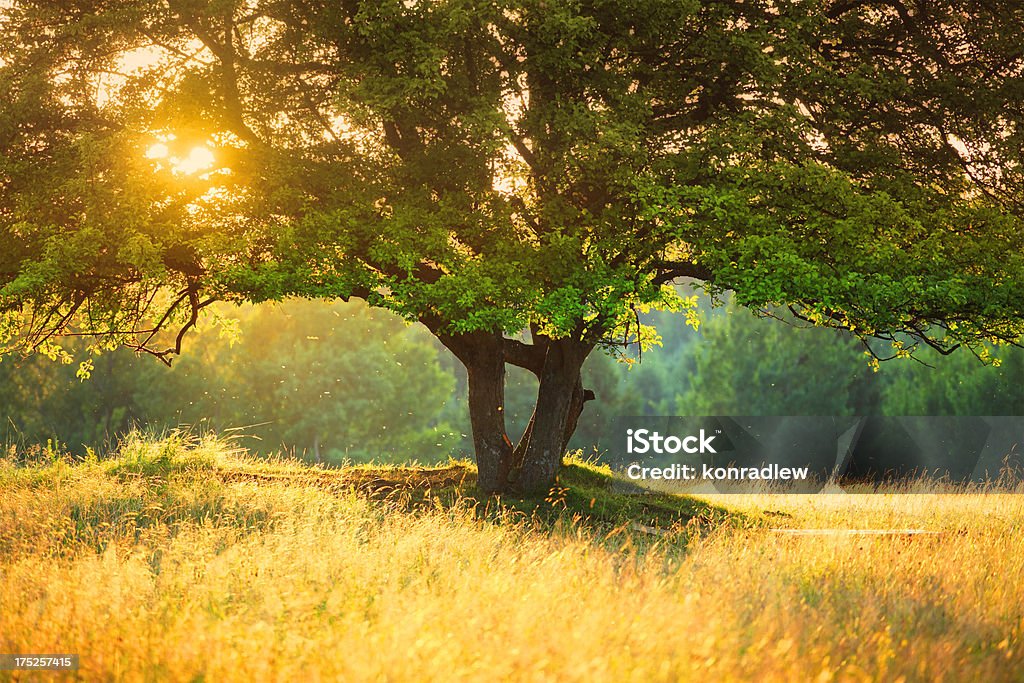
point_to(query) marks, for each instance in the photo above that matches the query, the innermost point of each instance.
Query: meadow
(186, 559)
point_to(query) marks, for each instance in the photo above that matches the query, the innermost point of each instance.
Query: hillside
(185, 559)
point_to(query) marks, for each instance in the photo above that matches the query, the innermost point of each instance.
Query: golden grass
(180, 562)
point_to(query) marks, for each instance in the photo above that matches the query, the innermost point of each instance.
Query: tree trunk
(560, 398)
(579, 397)
(483, 356)
(532, 467)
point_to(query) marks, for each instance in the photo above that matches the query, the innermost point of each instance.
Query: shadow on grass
(174, 481)
(586, 496)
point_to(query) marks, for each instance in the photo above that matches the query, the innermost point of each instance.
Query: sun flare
(200, 158)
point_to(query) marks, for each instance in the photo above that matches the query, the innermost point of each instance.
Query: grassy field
(184, 560)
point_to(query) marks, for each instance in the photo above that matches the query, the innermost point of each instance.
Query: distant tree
(957, 385)
(42, 400)
(760, 366)
(338, 382)
(275, 383)
(488, 167)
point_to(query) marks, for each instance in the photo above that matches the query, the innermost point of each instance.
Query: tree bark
(532, 466)
(483, 356)
(560, 398)
(579, 397)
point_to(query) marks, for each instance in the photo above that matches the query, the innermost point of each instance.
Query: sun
(200, 158)
(157, 151)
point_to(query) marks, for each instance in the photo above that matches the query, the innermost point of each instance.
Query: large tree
(485, 167)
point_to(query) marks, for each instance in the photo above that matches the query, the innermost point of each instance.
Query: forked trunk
(532, 466)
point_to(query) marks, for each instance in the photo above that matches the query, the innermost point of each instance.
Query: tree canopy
(486, 167)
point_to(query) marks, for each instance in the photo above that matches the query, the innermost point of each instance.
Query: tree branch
(671, 270)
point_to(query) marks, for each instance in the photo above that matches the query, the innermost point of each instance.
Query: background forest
(338, 381)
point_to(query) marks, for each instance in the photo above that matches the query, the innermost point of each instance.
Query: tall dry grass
(155, 566)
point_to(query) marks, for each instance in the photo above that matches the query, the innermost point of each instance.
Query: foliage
(737, 364)
(758, 366)
(335, 381)
(958, 385)
(854, 162)
(41, 400)
(749, 365)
